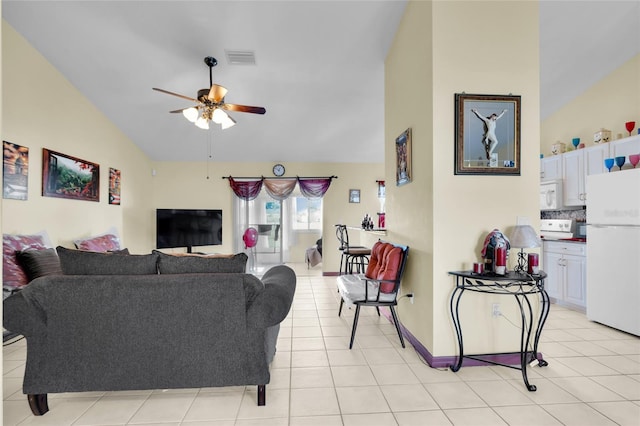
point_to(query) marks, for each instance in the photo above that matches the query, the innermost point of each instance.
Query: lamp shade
(191, 114)
(202, 123)
(524, 236)
(218, 116)
(227, 122)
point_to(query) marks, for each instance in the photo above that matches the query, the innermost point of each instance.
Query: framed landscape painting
(487, 134)
(64, 176)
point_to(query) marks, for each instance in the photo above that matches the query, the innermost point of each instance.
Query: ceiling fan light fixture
(191, 114)
(202, 123)
(219, 116)
(227, 122)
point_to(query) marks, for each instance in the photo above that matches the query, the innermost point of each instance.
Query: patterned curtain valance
(314, 187)
(248, 188)
(279, 189)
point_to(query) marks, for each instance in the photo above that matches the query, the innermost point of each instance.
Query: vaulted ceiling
(319, 67)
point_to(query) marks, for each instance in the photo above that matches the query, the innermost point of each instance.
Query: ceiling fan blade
(217, 93)
(176, 94)
(181, 110)
(244, 108)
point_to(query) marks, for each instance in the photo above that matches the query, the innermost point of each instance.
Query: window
(307, 213)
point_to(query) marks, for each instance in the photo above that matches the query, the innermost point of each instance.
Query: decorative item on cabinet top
(602, 135)
(558, 148)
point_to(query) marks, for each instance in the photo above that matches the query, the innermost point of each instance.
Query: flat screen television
(188, 228)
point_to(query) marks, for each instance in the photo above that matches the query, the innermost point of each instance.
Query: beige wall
(610, 103)
(439, 50)
(43, 110)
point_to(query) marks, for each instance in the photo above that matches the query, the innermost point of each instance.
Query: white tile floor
(593, 378)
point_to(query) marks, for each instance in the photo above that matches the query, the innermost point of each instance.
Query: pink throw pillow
(13, 276)
(101, 243)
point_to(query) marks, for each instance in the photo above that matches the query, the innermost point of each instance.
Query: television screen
(188, 228)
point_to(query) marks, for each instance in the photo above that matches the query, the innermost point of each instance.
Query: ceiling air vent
(241, 57)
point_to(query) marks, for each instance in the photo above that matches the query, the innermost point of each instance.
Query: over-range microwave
(551, 195)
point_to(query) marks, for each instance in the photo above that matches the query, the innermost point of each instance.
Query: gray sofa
(137, 329)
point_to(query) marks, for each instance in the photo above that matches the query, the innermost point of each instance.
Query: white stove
(557, 229)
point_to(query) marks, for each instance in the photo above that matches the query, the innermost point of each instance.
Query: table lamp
(522, 237)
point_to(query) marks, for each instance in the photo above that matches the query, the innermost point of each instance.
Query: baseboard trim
(447, 361)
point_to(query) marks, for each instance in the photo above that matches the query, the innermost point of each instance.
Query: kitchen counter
(567, 240)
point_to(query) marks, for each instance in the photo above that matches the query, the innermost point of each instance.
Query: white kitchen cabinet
(576, 166)
(573, 178)
(566, 267)
(551, 168)
(624, 147)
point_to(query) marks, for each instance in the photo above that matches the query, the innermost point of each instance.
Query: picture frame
(354, 195)
(403, 158)
(115, 178)
(64, 176)
(487, 134)
(15, 171)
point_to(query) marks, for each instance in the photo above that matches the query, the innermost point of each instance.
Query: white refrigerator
(613, 249)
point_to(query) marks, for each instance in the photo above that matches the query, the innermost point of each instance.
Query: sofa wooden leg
(38, 403)
(262, 395)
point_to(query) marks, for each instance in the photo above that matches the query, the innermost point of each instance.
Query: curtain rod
(275, 178)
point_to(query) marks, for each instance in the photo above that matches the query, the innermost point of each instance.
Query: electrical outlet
(495, 310)
(410, 296)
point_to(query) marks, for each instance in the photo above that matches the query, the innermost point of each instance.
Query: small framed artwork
(15, 171)
(64, 176)
(487, 134)
(354, 195)
(114, 186)
(403, 158)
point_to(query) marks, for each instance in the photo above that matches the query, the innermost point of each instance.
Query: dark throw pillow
(186, 264)
(38, 263)
(79, 262)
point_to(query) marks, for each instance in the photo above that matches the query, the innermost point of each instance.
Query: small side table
(518, 285)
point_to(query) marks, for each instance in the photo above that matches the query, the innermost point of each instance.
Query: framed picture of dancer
(487, 134)
(64, 176)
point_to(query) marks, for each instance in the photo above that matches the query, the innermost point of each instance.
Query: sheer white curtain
(272, 219)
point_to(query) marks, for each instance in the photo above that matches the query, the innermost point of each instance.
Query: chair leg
(38, 403)
(378, 310)
(397, 324)
(355, 324)
(341, 303)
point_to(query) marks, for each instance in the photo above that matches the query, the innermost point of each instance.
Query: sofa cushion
(38, 263)
(105, 242)
(13, 276)
(185, 264)
(80, 262)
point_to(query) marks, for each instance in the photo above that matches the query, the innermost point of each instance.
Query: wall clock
(278, 170)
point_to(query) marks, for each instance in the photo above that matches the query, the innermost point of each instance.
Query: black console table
(518, 285)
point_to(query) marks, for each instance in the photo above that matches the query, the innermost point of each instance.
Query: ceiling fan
(210, 104)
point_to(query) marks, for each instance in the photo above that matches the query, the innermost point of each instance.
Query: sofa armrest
(22, 315)
(273, 304)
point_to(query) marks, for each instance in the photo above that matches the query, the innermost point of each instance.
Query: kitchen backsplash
(578, 215)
